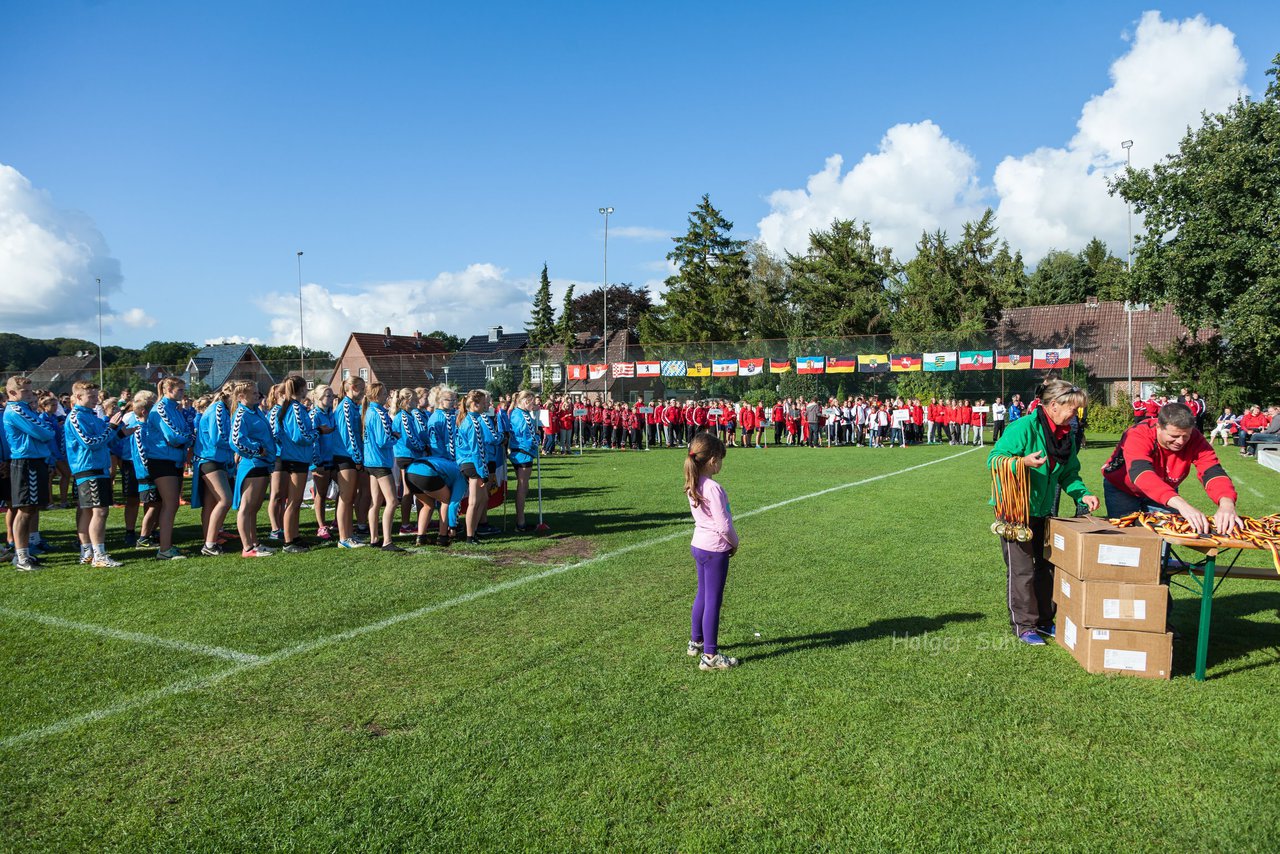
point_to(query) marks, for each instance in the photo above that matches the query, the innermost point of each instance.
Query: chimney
(386, 337)
(495, 333)
(1091, 302)
(417, 338)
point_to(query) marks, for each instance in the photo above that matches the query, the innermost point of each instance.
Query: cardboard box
(1093, 550)
(1145, 654)
(1111, 604)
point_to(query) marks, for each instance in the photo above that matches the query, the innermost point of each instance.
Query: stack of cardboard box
(1112, 608)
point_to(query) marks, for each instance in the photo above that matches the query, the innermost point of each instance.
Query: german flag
(902, 363)
(779, 366)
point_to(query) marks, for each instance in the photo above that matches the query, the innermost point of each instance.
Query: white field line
(131, 637)
(197, 683)
(1255, 492)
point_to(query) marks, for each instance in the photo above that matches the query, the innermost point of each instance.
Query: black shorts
(157, 469)
(94, 492)
(6, 491)
(28, 483)
(522, 466)
(128, 480)
(469, 472)
(147, 492)
(209, 467)
(421, 484)
(377, 471)
(344, 464)
(324, 468)
(403, 462)
(292, 466)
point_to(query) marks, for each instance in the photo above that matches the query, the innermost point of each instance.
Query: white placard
(904, 413)
(1124, 659)
(544, 417)
(1059, 542)
(1069, 633)
(579, 413)
(1102, 634)
(982, 409)
(1119, 555)
(714, 413)
(645, 410)
(1066, 588)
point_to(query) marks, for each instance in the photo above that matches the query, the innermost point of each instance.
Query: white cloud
(657, 286)
(1052, 197)
(137, 318)
(232, 339)
(1057, 197)
(639, 232)
(462, 303)
(918, 180)
(49, 261)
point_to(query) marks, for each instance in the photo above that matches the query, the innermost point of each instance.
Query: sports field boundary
(131, 637)
(196, 683)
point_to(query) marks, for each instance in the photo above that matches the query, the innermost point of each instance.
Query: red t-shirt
(1140, 467)
(1153, 408)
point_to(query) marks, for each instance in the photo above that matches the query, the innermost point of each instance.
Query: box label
(1119, 555)
(1102, 634)
(1124, 609)
(1059, 542)
(1124, 659)
(1066, 588)
(1069, 633)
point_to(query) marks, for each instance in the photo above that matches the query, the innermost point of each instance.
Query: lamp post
(302, 344)
(605, 379)
(101, 374)
(1127, 145)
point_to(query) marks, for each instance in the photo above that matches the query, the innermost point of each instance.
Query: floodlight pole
(1127, 145)
(302, 344)
(605, 379)
(101, 374)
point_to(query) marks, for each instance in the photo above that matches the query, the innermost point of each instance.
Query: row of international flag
(873, 363)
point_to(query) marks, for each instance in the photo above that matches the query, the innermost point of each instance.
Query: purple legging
(713, 568)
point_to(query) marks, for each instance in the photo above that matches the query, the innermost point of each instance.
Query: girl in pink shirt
(714, 542)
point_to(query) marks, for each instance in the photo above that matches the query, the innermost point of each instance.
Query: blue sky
(429, 158)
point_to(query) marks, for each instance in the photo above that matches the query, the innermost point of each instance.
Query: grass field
(536, 695)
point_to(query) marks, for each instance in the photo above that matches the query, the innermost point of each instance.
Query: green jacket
(1025, 436)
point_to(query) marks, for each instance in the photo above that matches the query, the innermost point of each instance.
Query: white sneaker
(694, 650)
(716, 662)
(105, 560)
(86, 558)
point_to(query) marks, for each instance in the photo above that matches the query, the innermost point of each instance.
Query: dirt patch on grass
(552, 551)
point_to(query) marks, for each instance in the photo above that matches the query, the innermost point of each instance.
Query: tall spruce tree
(840, 285)
(541, 329)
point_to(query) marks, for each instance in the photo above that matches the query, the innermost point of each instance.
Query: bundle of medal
(1011, 491)
(1262, 533)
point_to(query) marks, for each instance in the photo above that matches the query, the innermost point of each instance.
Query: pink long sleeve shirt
(712, 522)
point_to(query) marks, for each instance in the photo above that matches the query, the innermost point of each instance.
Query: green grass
(883, 706)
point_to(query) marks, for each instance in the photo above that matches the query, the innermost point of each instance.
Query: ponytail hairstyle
(226, 395)
(292, 387)
(240, 389)
(1058, 389)
(404, 400)
(704, 449)
(521, 397)
(352, 383)
(474, 397)
(375, 391)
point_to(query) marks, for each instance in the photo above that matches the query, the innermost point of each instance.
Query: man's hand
(1198, 521)
(1226, 519)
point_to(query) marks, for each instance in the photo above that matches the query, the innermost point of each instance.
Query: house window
(364, 374)
(535, 373)
(346, 374)
(490, 368)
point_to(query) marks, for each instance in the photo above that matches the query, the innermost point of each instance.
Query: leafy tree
(1011, 278)
(542, 323)
(1211, 240)
(1108, 278)
(768, 293)
(173, 354)
(627, 306)
(1061, 278)
(502, 383)
(707, 298)
(840, 283)
(451, 343)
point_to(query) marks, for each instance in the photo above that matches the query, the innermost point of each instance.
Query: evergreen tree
(565, 332)
(542, 331)
(841, 283)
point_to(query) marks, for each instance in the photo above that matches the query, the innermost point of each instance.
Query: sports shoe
(265, 550)
(296, 548)
(86, 558)
(472, 541)
(1051, 631)
(26, 564)
(408, 529)
(5, 551)
(105, 561)
(212, 551)
(145, 543)
(392, 548)
(257, 551)
(43, 547)
(1031, 638)
(523, 529)
(695, 649)
(130, 540)
(716, 662)
(351, 543)
(227, 536)
(487, 530)
(322, 533)
(171, 553)
(276, 535)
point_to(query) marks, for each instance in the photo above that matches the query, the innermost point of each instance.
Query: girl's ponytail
(704, 448)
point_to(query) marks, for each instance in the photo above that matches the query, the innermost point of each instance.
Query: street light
(101, 375)
(606, 212)
(1127, 145)
(302, 344)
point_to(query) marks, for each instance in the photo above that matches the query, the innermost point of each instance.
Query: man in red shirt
(1253, 421)
(1139, 410)
(747, 420)
(670, 423)
(779, 421)
(1154, 457)
(1152, 407)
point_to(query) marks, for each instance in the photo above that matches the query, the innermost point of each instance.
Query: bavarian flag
(725, 367)
(698, 369)
(811, 364)
(939, 361)
(1013, 362)
(901, 363)
(1047, 360)
(673, 368)
(875, 363)
(837, 365)
(779, 366)
(977, 360)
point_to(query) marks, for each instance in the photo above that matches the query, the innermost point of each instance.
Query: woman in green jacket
(1042, 440)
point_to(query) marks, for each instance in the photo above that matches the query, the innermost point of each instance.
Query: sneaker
(1031, 638)
(130, 540)
(352, 543)
(265, 551)
(323, 533)
(695, 649)
(26, 564)
(392, 548)
(171, 553)
(227, 536)
(5, 551)
(145, 543)
(472, 541)
(86, 558)
(257, 551)
(212, 551)
(487, 530)
(716, 662)
(1050, 631)
(296, 548)
(105, 561)
(523, 529)
(408, 529)
(444, 542)
(276, 535)
(43, 547)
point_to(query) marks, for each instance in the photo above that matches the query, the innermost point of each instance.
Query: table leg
(1206, 610)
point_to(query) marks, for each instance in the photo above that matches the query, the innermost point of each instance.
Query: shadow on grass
(613, 519)
(1232, 634)
(892, 627)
